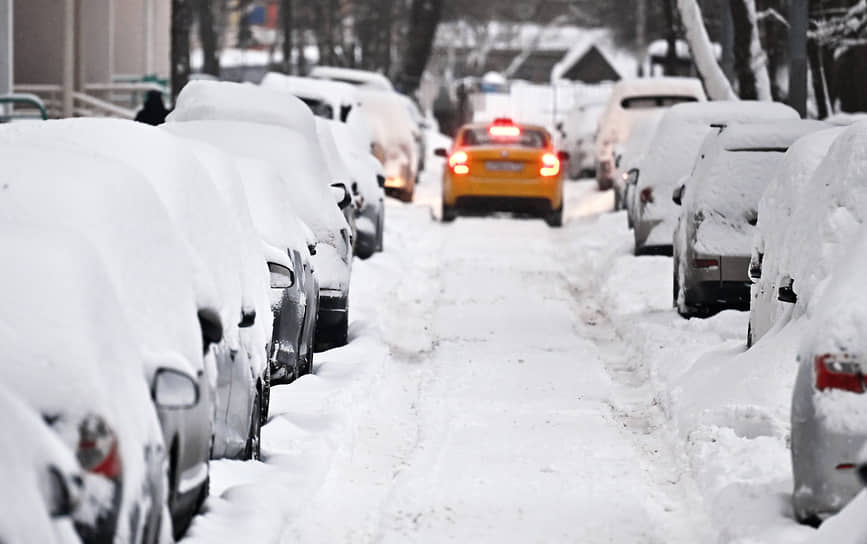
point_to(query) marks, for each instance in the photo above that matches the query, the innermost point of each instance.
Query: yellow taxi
(503, 166)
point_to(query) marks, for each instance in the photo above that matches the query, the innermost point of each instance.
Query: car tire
(253, 448)
(554, 218)
(749, 334)
(380, 231)
(604, 184)
(449, 214)
(266, 398)
(405, 196)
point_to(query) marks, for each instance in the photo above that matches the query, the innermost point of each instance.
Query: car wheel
(604, 184)
(380, 231)
(675, 283)
(449, 214)
(266, 398)
(749, 335)
(406, 196)
(253, 449)
(554, 218)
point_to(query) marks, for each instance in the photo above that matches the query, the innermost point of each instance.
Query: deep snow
(508, 382)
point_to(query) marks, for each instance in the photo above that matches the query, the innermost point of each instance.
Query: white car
(776, 209)
(631, 100)
(580, 128)
(326, 98)
(253, 122)
(363, 78)
(671, 156)
(628, 155)
(149, 267)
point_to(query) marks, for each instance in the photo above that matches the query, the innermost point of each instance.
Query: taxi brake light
(550, 165)
(458, 163)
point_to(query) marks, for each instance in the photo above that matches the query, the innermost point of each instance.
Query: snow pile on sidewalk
(729, 407)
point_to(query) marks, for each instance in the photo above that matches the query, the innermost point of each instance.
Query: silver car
(713, 236)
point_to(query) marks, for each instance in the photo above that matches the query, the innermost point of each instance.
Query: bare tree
(208, 37)
(423, 21)
(286, 22)
(750, 59)
(718, 87)
(181, 23)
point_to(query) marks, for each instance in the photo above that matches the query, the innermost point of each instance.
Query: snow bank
(675, 149)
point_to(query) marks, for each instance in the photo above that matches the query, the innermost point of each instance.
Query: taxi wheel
(449, 214)
(554, 218)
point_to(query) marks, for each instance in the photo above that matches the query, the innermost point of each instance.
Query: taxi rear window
(482, 137)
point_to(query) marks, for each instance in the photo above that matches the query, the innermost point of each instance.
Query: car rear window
(481, 137)
(319, 108)
(654, 101)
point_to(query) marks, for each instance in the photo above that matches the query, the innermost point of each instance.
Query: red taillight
(838, 372)
(458, 163)
(97, 448)
(505, 131)
(705, 263)
(646, 195)
(550, 165)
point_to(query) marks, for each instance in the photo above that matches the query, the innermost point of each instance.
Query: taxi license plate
(504, 166)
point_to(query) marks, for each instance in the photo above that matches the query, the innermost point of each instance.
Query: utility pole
(641, 34)
(7, 41)
(69, 47)
(798, 16)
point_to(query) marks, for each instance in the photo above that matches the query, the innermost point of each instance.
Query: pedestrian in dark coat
(154, 111)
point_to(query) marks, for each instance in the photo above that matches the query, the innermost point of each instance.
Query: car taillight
(550, 165)
(646, 195)
(97, 447)
(705, 263)
(458, 163)
(838, 372)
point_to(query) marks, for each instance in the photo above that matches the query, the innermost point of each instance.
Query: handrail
(123, 87)
(24, 99)
(103, 106)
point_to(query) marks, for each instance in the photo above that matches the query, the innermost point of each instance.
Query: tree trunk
(208, 37)
(820, 80)
(286, 21)
(671, 40)
(718, 87)
(386, 27)
(245, 34)
(424, 18)
(750, 59)
(182, 19)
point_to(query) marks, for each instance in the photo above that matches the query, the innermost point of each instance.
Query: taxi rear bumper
(461, 191)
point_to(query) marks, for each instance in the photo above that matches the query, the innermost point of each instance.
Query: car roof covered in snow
(358, 159)
(336, 92)
(364, 78)
(646, 86)
(391, 123)
(121, 215)
(227, 101)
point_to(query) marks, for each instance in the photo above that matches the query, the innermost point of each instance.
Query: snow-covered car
(339, 174)
(628, 156)
(829, 405)
(718, 213)
(580, 133)
(671, 156)
(368, 178)
(254, 122)
(776, 213)
(325, 98)
(353, 76)
(149, 266)
(419, 127)
(283, 304)
(393, 142)
(43, 483)
(631, 100)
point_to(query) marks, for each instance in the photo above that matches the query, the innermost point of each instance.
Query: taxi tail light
(458, 163)
(550, 165)
(838, 372)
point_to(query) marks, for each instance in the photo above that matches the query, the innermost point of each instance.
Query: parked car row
(158, 281)
(765, 212)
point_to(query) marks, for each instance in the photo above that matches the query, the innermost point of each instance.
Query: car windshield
(654, 101)
(319, 108)
(531, 138)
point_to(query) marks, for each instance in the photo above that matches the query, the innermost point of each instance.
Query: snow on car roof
(227, 101)
(374, 80)
(733, 171)
(308, 87)
(297, 157)
(145, 257)
(390, 120)
(689, 86)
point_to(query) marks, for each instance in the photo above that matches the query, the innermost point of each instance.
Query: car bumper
(465, 189)
(718, 294)
(333, 305)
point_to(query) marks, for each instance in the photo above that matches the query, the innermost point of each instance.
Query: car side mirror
(632, 176)
(755, 270)
(441, 152)
(341, 195)
(212, 327)
(282, 277)
(248, 318)
(786, 293)
(355, 187)
(174, 390)
(862, 473)
(563, 155)
(380, 180)
(677, 195)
